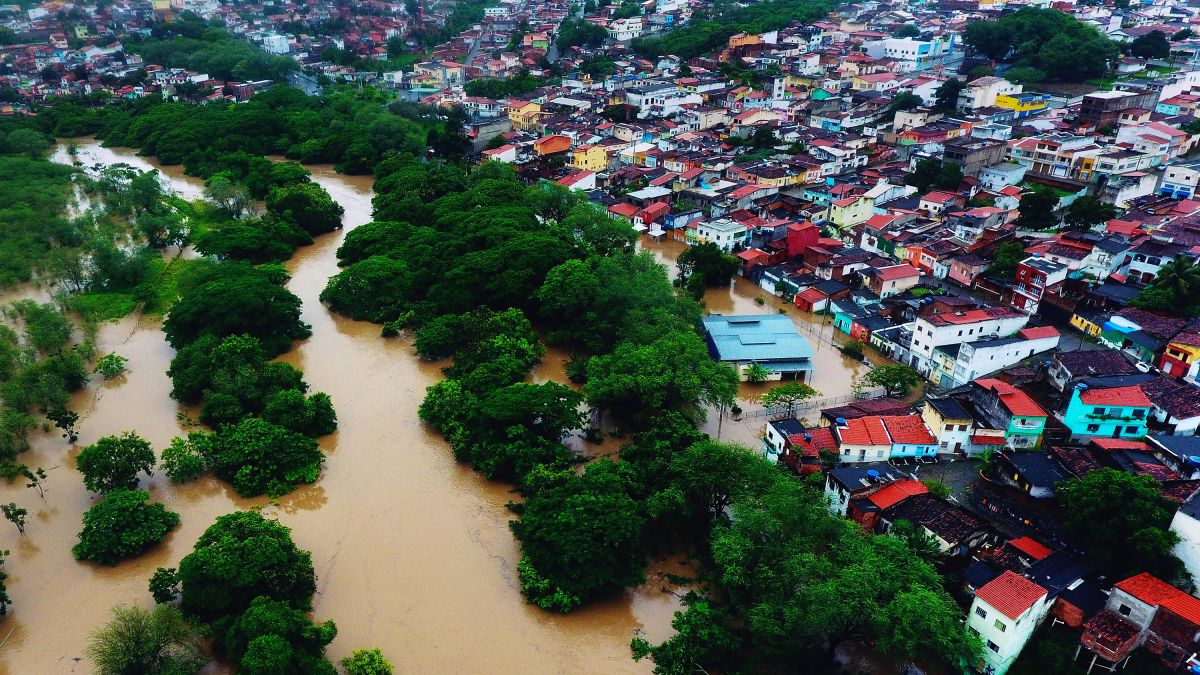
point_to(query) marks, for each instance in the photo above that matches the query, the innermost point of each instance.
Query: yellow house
(851, 211)
(1181, 354)
(1088, 324)
(1022, 104)
(524, 115)
(949, 422)
(1086, 166)
(589, 158)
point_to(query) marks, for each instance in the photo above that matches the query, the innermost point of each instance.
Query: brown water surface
(412, 550)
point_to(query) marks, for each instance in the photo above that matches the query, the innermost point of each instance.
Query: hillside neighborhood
(1001, 198)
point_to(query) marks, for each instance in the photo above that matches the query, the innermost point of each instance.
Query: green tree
(704, 634)
(27, 142)
(788, 396)
(136, 640)
(307, 205)
(366, 662)
(376, 289)
(115, 462)
(947, 95)
(164, 584)
(1175, 289)
(1182, 35)
(237, 302)
(925, 175)
(240, 557)
(1121, 521)
(673, 372)
(299, 645)
(907, 30)
(121, 525)
(1005, 260)
(111, 366)
(1036, 210)
(1152, 45)
(713, 475)
(896, 378)
(757, 373)
(15, 515)
(580, 534)
(258, 457)
(904, 101)
(705, 266)
(187, 458)
(227, 195)
(1026, 75)
(1088, 211)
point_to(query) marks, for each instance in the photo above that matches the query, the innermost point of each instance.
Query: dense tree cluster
(188, 41)
(1057, 44)
(229, 321)
(703, 34)
(246, 578)
(121, 525)
(39, 368)
(580, 33)
(1174, 290)
(348, 128)
(517, 85)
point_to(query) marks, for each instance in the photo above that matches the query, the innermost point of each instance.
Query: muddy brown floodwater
(412, 550)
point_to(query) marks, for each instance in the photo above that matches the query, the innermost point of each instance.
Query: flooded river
(412, 550)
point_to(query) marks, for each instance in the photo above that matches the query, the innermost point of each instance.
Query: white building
(276, 44)
(982, 92)
(974, 359)
(623, 30)
(912, 53)
(724, 232)
(936, 330)
(1004, 614)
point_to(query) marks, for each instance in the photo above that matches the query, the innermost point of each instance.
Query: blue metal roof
(765, 338)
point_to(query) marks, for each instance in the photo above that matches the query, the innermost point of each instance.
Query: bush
(115, 462)
(186, 459)
(122, 525)
(110, 366)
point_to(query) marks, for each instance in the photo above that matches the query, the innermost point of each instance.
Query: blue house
(769, 340)
(1107, 412)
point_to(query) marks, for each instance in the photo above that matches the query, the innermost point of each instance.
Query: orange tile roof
(1017, 401)
(908, 429)
(1010, 594)
(864, 431)
(896, 492)
(1154, 591)
(1119, 396)
(1111, 444)
(1030, 547)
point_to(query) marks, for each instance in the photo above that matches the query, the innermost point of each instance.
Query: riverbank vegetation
(515, 257)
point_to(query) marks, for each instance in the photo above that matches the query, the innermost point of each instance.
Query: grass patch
(156, 295)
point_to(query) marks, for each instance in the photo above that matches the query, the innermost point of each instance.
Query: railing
(810, 404)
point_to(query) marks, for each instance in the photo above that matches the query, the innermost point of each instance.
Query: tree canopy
(240, 557)
(1055, 43)
(114, 462)
(121, 525)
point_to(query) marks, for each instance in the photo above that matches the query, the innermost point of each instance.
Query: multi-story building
(1004, 614)
(957, 364)
(950, 422)
(1035, 275)
(1179, 180)
(1023, 104)
(724, 232)
(983, 91)
(1107, 412)
(1004, 415)
(1144, 611)
(1104, 107)
(973, 154)
(936, 330)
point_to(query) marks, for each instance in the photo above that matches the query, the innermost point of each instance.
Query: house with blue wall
(1107, 412)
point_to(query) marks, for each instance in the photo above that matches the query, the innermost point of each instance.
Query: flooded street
(412, 550)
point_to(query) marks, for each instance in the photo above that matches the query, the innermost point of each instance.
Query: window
(981, 612)
(1137, 414)
(1124, 609)
(1000, 626)
(1131, 430)
(972, 629)
(1099, 411)
(993, 646)
(1093, 427)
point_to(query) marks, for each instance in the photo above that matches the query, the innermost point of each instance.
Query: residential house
(1181, 358)
(957, 364)
(892, 280)
(950, 422)
(1112, 412)
(1004, 415)
(848, 482)
(1004, 613)
(936, 330)
(1144, 611)
(726, 233)
(1034, 277)
(1186, 525)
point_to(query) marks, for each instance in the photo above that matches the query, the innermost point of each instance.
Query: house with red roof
(1096, 410)
(1002, 411)
(1144, 611)
(875, 438)
(1004, 614)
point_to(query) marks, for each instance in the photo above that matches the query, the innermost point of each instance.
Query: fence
(810, 404)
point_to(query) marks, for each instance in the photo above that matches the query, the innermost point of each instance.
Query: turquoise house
(1107, 412)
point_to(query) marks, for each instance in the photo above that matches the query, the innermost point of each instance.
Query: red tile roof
(1017, 401)
(864, 431)
(908, 429)
(1118, 396)
(1030, 547)
(1158, 593)
(896, 272)
(1038, 333)
(896, 493)
(978, 439)
(1010, 594)
(822, 439)
(1111, 444)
